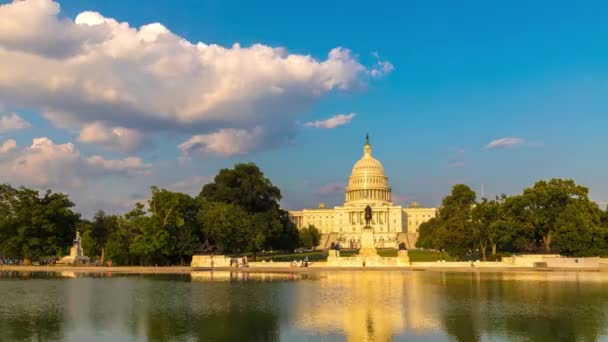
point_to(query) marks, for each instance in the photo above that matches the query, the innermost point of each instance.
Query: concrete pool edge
(187, 269)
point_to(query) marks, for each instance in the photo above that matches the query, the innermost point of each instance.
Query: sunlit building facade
(367, 185)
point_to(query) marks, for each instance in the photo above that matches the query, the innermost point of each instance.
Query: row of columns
(370, 194)
(358, 217)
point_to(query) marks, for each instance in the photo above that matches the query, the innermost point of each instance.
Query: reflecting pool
(316, 306)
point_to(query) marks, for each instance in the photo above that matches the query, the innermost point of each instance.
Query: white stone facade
(367, 185)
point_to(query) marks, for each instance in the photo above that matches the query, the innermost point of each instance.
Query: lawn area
(422, 255)
(312, 256)
(416, 255)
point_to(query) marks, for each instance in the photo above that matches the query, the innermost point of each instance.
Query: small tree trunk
(483, 251)
(547, 242)
(493, 249)
(103, 254)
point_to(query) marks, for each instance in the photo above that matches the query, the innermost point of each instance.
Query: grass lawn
(312, 256)
(414, 254)
(422, 255)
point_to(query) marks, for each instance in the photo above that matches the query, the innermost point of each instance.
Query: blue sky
(433, 82)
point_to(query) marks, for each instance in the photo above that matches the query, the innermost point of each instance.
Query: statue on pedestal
(76, 254)
(368, 215)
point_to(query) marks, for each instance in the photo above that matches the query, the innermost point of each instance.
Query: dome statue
(367, 182)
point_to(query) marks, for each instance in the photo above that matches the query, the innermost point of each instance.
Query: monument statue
(368, 215)
(76, 254)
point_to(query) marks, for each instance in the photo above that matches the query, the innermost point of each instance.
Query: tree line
(554, 216)
(237, 213)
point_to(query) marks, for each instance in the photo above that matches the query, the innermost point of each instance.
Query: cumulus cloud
(333, 122)
(225, 142)
(46, 164)
(116, 138)
(129, 165)
(191, 185)
(8, 145)
(11, 122)
(95, 69)
(504, 142)
(33, 26)
(381, 68)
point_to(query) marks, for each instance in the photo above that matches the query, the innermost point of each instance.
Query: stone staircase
(408, 238)
(326, 241)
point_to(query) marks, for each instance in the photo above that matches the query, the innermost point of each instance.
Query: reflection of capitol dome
(367, 182)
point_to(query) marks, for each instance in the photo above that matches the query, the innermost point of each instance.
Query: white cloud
(116, 138)
(505, 142)
(333, 122)
(46, 164)
(129, 165)
(381, 68)
(96, 69)
(11, 122)
(191, 186)
(8, 145)
(225, 142)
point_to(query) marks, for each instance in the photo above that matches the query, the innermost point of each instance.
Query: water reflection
(352, 306)
(366, 306)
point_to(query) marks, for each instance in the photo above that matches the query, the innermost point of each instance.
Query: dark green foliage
(263, 225)
(452, 229)
(554, 216)
(102, 227)
(309, 237)
(244, 186)
(33, 226)
(170, 234)
(239, 213)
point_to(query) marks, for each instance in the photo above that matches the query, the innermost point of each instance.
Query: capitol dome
(367, 182)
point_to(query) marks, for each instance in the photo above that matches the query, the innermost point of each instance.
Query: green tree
(486, 229)
(244, 186)
(228, 227)
(577, 228)
(34, 226)
(118, 245)
(538, 209)
(427, 236)
(169, 234)
(102, 228)
(309, 237)
(177, 213)
(604, 217)
(455, 231)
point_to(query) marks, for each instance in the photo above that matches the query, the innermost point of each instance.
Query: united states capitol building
(367, 185)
